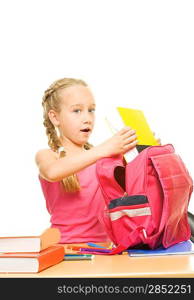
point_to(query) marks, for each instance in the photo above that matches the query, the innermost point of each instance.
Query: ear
(53, 116)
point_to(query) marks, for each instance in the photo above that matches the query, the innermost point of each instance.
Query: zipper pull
(125, 194)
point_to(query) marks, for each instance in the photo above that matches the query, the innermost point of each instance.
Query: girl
(67, 169)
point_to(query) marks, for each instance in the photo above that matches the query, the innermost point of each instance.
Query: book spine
(51, 258)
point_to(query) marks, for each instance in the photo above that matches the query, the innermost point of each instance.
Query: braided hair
(51, 100)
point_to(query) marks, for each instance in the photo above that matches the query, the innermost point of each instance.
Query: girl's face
(77, 115)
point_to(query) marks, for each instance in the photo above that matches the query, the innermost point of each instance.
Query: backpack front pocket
(129, 215)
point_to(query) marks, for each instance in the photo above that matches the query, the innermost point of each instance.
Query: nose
(88, 118)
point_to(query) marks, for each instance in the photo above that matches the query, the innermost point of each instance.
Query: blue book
(186, 247)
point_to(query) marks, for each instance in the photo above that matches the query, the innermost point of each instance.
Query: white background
(137, 54)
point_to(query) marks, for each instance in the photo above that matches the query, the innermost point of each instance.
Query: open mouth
(86, 130)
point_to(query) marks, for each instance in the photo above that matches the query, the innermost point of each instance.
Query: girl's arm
(55, 169)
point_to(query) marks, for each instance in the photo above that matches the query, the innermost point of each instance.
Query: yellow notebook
(135, 119)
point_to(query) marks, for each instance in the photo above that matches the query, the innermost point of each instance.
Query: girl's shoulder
(45, 154)
(43, 158)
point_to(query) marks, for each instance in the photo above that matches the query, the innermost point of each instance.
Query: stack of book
(30, 254)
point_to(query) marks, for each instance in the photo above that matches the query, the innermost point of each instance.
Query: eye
(76, 110)
(93, 109)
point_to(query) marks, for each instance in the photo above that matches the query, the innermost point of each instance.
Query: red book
(31, 262)
(31, 243)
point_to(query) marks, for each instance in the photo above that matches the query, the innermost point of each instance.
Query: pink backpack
(146, 199)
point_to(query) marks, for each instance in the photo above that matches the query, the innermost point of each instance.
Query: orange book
(31, 262)
(35, 243)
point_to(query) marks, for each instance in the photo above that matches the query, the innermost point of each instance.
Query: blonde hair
(51, 100)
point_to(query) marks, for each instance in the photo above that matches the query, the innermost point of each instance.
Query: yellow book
(116, 119)
(135, 119)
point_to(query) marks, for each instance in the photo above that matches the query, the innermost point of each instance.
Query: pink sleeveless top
(76, 214)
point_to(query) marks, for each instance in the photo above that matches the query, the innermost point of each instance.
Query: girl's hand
(121, 142)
